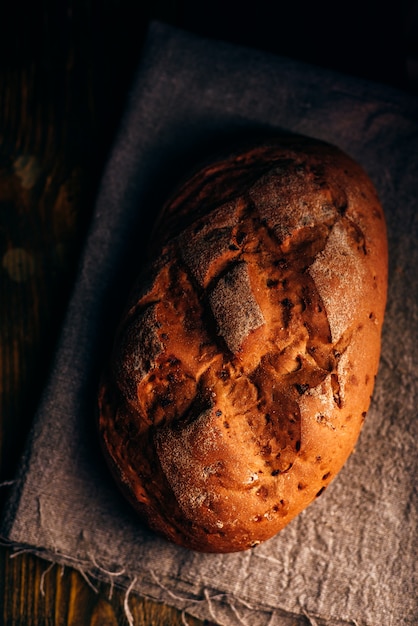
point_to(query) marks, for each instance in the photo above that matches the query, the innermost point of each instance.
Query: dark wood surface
(65, 68)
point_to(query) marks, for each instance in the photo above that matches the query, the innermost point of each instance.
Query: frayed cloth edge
(91, 570)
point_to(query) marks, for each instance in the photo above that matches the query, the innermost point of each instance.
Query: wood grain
(64, 72)
(36, 592)
(65, 68)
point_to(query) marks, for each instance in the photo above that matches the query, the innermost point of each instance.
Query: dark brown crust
(244, 365)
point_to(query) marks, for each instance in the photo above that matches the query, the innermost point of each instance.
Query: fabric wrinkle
(353, 553)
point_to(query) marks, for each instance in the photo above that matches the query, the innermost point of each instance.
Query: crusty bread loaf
(244, 365)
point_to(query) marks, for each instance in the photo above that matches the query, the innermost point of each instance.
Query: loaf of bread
(244, 364)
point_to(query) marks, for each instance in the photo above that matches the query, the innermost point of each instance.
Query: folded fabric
(351, 557)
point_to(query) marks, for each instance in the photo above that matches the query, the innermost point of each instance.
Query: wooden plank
(36, 593)
(65, 68)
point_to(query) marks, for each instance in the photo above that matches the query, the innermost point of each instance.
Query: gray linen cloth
(350, 558)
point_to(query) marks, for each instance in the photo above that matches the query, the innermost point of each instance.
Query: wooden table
(63, 81)
(64, 72)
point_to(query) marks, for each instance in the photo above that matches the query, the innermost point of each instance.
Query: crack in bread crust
(241, 374)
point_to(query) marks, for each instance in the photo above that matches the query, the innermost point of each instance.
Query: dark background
(65, 70)
(366, 38)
